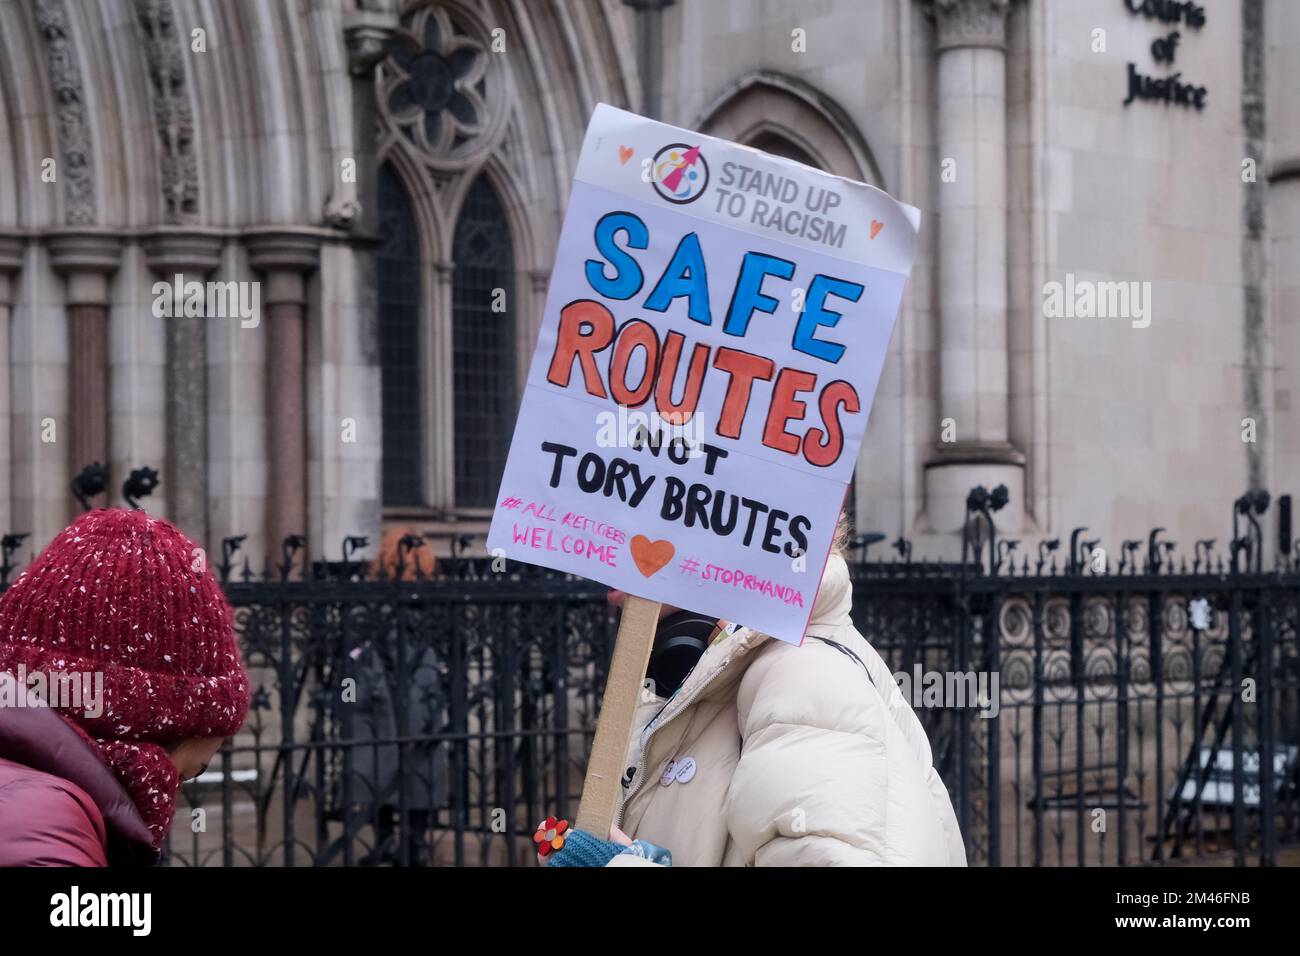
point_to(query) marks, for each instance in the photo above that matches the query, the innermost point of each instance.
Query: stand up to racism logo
(680, 173)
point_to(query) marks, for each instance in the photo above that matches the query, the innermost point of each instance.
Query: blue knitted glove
(582, 849)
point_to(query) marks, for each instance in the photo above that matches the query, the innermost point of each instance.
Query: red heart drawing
(649, 555)
(624, 154)
(876, 226)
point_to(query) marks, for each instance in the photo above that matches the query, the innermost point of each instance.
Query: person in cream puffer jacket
(772, 754)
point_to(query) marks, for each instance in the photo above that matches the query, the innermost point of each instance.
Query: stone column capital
(367, 34)
(77, 250)
(11, 252)
(11, 260)
(967, 23)
(272, 250)
(171, 251)
(85, 258)
(286, 256)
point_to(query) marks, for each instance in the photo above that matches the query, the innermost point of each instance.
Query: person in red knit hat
(124, 603)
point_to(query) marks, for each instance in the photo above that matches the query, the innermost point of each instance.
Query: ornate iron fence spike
(1086, 565)
(1128, 554)
(139, 484)
(8, 545)
(1073, 566)
(90, 482)
(1046, 548)
(289, 548)
(229, 546)
(1205, 552)
(1006, 554)
(420, 573)
(351, 545)
(406, 544)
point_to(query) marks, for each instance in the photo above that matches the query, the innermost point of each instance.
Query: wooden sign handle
(600, 790)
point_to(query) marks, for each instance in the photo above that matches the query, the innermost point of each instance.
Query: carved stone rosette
(443, 90)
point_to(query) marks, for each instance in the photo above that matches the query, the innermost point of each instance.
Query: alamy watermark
(73, 909)
(209, 300)
(682, 435)
(963, 690)
(1085, 299)
(79, 692)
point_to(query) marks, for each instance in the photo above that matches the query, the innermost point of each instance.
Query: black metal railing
(1142, 717)
(1146, 706)
(433, 719)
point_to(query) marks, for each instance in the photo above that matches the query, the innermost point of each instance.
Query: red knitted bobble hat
(130, 597)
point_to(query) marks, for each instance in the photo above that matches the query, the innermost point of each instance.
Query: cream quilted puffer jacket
(772, 754)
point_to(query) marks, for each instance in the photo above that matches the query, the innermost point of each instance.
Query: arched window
(483, 346)
(778, 145)
(399, 343)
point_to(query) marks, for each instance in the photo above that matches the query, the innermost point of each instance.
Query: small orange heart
(649, 555)
(624, 154)
(876, 226)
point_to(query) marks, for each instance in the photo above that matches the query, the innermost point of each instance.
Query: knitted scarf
(145, 770)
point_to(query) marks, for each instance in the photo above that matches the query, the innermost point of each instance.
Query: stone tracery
(441, 89)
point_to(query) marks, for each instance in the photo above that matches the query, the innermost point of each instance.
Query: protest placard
(714, 331)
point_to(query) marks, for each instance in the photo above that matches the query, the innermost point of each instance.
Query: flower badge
(550, 835)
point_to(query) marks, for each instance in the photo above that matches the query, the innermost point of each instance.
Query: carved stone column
(86, 260)
(354, 203)
(285, 258)
(650, 51)
(439, 414)
(345, 349)
(179, 257)
(11, 260)
(972, 265)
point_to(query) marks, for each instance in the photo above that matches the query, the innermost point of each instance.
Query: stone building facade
(388, 179)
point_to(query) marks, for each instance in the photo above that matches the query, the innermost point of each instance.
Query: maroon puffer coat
(59, 803)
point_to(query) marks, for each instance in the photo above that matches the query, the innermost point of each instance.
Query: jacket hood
(35, 736)
(834, 602)
(831, 614)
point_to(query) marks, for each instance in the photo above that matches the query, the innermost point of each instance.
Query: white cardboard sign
(714, 331)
